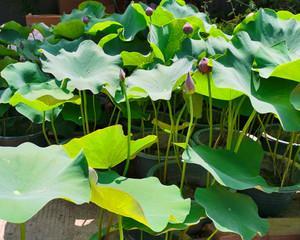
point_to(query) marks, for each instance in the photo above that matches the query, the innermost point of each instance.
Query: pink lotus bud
(85, 19)
(149, 11)
(203, 66)
(187, 28)
(122, 75)
(189, 84)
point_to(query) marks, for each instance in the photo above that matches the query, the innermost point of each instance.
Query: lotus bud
(187, 28)
(189, 84)
(203, 66)
(85, 19)
(149, 11)
(122, 75)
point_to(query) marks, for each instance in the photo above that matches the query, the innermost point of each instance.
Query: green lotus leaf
(144, 200)
(235, 170)
(88, 68)
(201, 87)
(295, 97)
(70, 29)
(19, 74)
(232, 212)
(107, 147)
(37, 116)
(131, 22)
(195, 215)
(286, 15)
(43, 97)
(159, 82)
(278, 44)
(91, 9)
(3, 109)
(54, 48)
(32, 176)
(3, 63)
(12, 32)
(266, 95)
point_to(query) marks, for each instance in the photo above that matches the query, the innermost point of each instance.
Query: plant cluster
(217, 113)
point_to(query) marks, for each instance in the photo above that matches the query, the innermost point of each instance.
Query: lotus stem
(44, 129)
(188, 136)
(176, 131)
(156, 131)
(22, 231)
(244, 131)
(290, 147)
(53, 127)
(120, 228)
(210, 111)
(101, 214)
(167, 236)
(169, 141)
(230, 127)
(128, 128)
(112, 116)
(95, 113)
(82, 113)
(86, 118)
(212, 235)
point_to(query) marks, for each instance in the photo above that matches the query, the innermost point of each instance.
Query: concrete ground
(61, 220)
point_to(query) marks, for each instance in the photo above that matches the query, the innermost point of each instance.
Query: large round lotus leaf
(88, 68)
(67, 45)
(144, 200)
(70, 29)
(201, 87)
(232, 212)
(279, 51)
(196, 213)
(159, 82)
(106, 148)
(31, 176)
(233, 70)
(18, 75)
(43, 97)
(235, 170)
(131, 21)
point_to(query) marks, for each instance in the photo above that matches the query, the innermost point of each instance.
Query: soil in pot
(274, 135)
(17, 130)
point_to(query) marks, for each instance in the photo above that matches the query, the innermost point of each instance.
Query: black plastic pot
(270, 204)
(146, 160)
(136, 235)
(17, 130)
(269, 136)
(195, 174)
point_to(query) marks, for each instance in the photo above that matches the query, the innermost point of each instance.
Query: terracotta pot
(66, 6)
(47, 19)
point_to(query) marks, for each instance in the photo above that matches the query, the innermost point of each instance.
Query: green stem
(189, 133)
(244, 131)
(128, 128)
(118, 117)
(95, 113)
(210, 111)
(82, 113)
(44, 129)
(22, 231)
(101, 214)
(156, 131)
(167, 236)
(229, 130)
(86, 113)
(53, 127)
(120, 228)
(112, 115)
(212, 235)
(169, 141)
(289, 160)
